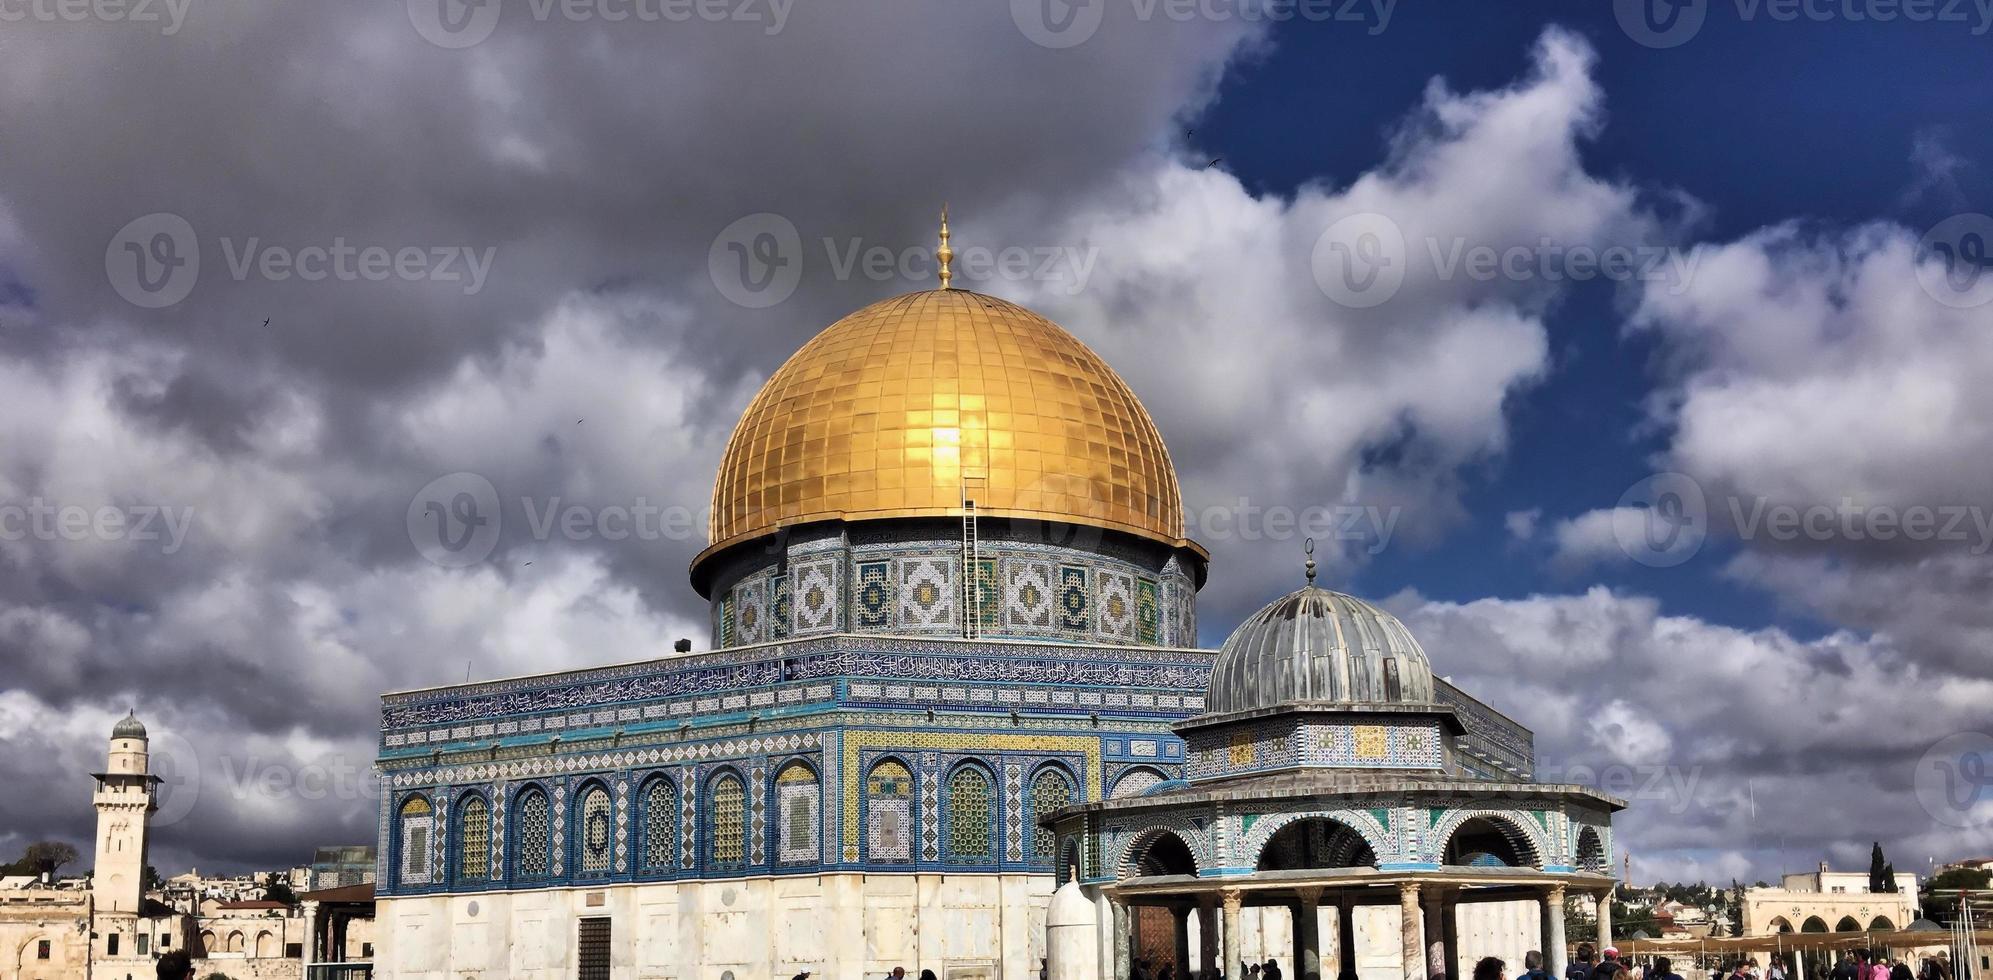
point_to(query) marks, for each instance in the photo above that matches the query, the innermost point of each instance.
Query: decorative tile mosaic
(1075, 600)
(1117, 605)
(596, 830)
(750, 611)
(927, 591)
(817, 595)
(1027, 592)
(872, 602)
(1148, 613)
(796, 803)
(781, 611)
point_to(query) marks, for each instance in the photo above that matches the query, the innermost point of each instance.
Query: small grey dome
(129, 727)
(1317, 645)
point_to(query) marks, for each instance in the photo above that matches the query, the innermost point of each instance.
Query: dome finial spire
(1308, 548)
(946, 254)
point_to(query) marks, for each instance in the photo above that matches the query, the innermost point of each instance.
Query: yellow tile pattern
(857, 740)
(884, 413)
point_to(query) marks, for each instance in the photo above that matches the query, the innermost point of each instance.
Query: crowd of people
(1859, 964)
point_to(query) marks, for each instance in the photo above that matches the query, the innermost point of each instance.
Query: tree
(1881, 874)
(279, 891)
(47, 856)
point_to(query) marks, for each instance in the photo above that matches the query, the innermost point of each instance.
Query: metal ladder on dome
(972, 552)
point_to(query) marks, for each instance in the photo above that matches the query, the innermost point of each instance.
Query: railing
(339, 971)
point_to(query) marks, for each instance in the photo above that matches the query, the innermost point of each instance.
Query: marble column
(1235, 949)
(1605, 919)
(1551, 906)
(1121, 925)
(1207, 938)
(1345, 939)
(1411, 931)
(1181, 916)
(1451, 910)
(311, 951)
(1308, 935)
(1435, 909)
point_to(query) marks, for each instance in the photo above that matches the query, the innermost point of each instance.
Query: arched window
(969, 816)
(533, 829)
(729, 835)
(888, 813)
(594, 824)
(473, 840)
(417, 823)
(1049, 792)
(660, 805)
(796, 798)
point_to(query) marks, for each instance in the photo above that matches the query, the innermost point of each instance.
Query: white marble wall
(838, 927)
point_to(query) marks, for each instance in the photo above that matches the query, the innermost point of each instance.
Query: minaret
(125, 800)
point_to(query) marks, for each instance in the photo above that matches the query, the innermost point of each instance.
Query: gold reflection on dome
(891, 409)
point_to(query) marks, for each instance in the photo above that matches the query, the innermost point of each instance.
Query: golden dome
(887, 412)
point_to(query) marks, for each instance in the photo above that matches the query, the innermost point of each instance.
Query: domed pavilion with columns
(953, 630)
(1333, 781)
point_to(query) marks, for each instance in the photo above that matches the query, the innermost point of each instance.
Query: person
(899, 973)
(1878, 966)
(1490, 968)
(1609, 967)
(1662, 969)
(1776, 971)
(927, 975)
(1141, 971)
(1901, 971)
(1168, 972)
(1845, 969)
(1581, 966)
(805, 975)
(1756, 972)
(1532, 966)
(176, 965)
(1272, 971)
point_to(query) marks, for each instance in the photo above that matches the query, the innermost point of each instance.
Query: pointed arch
(1315, 842)
(726, 819)
(532, 829)
(1497, 836)
(1157, 851)
(888, 793)
(1813, 923)
(415, 825)
(1135, 781)
(1848, 923)
(969, 814)
(1591, 854)
(1051, 789)
(471, 862)
(798, 803)
(657, 823)
(1367, 826)
(592, 825)
(1881, 923)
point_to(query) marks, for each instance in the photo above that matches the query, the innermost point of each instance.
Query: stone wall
(250, 968)
(837, 926)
